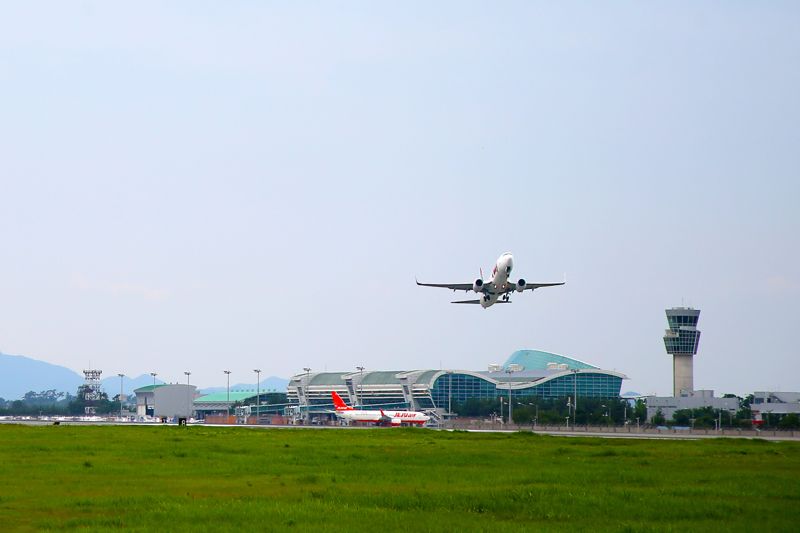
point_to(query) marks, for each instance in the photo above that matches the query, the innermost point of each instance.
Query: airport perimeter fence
(630, 429)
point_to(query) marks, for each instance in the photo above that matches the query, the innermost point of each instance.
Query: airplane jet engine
(521, 285)
(477, 286)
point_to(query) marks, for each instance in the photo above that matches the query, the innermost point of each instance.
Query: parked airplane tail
(339, 403)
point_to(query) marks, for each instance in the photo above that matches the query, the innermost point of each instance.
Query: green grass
(213, 479)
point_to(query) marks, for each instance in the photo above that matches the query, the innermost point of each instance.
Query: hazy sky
(201, 186)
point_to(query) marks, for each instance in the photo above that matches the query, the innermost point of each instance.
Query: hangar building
(163, 400)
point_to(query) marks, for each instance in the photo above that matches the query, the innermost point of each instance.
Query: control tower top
(682, 337)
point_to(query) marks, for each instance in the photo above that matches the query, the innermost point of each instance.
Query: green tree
(790, 421)
(658, 418)
(682, 417)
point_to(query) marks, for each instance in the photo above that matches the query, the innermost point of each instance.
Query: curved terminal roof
(327, 378)
(538, 360)
(382, 377)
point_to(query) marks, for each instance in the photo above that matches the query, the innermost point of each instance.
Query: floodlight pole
(154, 394)
(501, 409)
(258, 390)
(120, 393)
(575, 397)
(228, 404)
(188, 394)
(361, 386)
(305, 392)
(450, 392)
(509, 371)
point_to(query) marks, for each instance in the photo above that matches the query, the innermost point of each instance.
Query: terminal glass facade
(588, 384)
(466, 387)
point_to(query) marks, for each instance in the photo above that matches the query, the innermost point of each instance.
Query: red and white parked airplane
(385, 416)
(494, 290)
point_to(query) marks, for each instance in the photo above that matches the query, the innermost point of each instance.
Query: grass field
(213, 479)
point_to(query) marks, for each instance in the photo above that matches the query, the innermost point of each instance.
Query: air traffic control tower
(681, 341)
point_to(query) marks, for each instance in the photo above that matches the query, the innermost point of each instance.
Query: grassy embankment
(197, 478)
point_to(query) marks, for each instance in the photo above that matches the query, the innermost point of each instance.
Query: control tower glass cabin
(681, 341)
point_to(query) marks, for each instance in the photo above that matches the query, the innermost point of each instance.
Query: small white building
(689, 400)
(774, 403)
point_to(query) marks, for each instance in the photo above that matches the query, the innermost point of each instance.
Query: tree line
(616, 412)
(54, 403)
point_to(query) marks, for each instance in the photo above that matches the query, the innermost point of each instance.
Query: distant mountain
(270, 384)
(20, 374)
(630, 394)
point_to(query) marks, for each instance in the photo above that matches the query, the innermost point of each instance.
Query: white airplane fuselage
(496, 286)
(395, 418)
(384, 416)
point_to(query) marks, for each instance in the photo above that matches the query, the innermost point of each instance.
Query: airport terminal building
(526, 374)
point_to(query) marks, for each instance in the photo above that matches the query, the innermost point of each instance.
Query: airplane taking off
(395, 418)
(495, 290)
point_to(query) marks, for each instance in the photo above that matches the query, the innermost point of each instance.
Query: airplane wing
(452, 286)
(531, 286)
(478, 301)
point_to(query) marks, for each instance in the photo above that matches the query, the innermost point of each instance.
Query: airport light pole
(305, 392)
(154, 395)
(258, 390)
(188, 394)
(120, 393)
(228, 405)
(361, 386)
(569, 410)
(509, 371)
(501, 409)
(449, 392)
(575, 396)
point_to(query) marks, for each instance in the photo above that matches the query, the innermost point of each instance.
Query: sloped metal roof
(538, 360)
(236, 396)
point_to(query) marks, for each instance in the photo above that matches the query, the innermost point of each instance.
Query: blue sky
(198, 186)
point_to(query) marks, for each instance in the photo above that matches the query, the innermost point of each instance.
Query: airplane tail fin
(339, 403)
